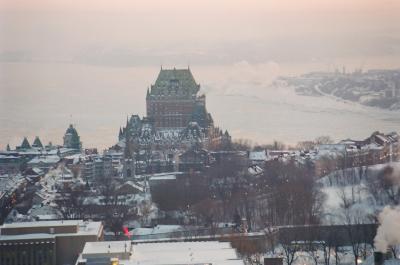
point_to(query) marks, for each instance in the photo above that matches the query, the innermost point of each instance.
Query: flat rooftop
(106, 247)
(42, 224)
(207, 252)
(83, 229)
(26, 237)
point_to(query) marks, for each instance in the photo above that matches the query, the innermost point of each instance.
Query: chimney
(379, 258)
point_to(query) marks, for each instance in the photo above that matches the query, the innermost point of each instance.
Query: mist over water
(43, 98)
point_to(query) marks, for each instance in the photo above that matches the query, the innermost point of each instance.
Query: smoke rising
(388, 233)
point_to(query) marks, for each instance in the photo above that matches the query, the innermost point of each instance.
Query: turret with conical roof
(37, 143)
(148, 94)
(25, 144)
(120, 134)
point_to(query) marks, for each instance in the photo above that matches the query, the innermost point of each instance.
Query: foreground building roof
(210, 252)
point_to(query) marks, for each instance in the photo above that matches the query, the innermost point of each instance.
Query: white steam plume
(388, 233)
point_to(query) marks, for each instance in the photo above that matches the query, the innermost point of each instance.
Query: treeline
(247, 145)
(284, 194)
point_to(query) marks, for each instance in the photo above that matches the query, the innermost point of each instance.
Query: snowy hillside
(348, 197)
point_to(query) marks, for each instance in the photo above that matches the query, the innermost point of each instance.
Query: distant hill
(375, 88)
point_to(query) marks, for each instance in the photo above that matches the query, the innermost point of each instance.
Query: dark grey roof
(71, 130)
(25, 144)
(37, 142)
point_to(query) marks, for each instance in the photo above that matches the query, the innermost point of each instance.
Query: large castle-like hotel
(176, 116)
(174, 101)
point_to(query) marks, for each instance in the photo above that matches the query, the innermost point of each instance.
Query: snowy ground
(345, 256)
(338, 183)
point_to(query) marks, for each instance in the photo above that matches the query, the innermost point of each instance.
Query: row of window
(42, 254)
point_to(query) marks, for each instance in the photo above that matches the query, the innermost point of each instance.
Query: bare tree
(145, 208)
(385, 187)
(290, 250)
(71, 202)
(324, 139)
(353, 220)
(313, 243)
(250, 250)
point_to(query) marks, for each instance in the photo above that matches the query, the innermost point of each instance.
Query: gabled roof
(130, 186)
(51, 159)
(33, 172)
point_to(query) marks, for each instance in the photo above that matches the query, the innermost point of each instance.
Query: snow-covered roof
(158, 229)
(132, 184)
(42, 224)
(9, 183)
(371, 146)
(212, 252)
(258, 155)
(75, 158)
(164, 177)
(38, 171)
(45, 212)
(382, 138)
(8, 157)
(110, 247)
(333, 147)
(83, 228)
(255, 170)
(52, 159)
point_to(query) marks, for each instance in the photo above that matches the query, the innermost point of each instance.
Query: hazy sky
(90, 62)
(198, 32)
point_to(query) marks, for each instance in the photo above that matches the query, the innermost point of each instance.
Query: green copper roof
(175, 81)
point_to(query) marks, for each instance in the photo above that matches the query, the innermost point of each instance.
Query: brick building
(46, 242)
(174, 100)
